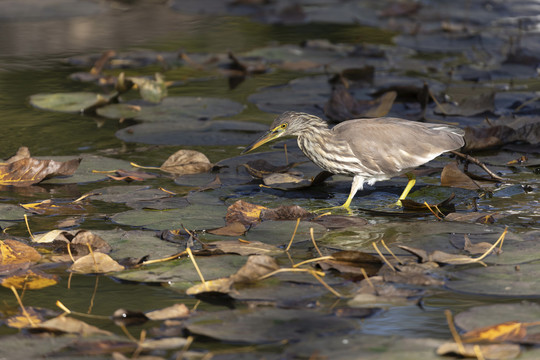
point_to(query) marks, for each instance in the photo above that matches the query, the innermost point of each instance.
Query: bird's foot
(332, 209)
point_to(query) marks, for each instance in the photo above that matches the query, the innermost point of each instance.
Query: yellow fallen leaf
(29, 280)
(510, 330)
(12, 252)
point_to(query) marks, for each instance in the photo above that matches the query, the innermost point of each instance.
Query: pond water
(34, 47)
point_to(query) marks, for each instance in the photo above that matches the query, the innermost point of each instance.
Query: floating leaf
(255, 267)
(15, 252)
(514, 331)
(172, 312)
(265, 325)
(284, 212)
(244, 213)
(260, 168)
(233, 229)
(70, 325)
(54, 207)
(185, 109)
(222, 285)
(191, 133)
(22, 320)
(452, 176)
(30, 280)
(71, 102)
(244, 247)
(95, 263)
(151, 90)
(488, 351)
(352, 263)
(28, 171)
(186, 162)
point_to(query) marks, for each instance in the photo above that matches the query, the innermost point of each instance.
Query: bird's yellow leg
(356, 185)
(410, 184)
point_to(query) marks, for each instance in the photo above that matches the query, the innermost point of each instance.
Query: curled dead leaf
(28, 171)
(186, 162)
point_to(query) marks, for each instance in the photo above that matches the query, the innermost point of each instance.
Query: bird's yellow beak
(268, 136)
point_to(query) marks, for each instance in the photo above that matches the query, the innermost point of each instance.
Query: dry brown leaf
(260, 168)
(172, 312)
(186, 162)
(22, 153)
(286, 212)
(95, 263)
(233, 229)
(28, 171)
(52, 207)
(352, 262)
(255, 267)
(244, 213)
(438, 256)
(14, 252)
(222, 285)
(244, 248)
(83, 238)
(452, 176)
(70, 325)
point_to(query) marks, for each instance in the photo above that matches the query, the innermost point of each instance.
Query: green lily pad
(181, 273)
(304, 94)
(194, 217)
(9, 212)
(75, 102)
(136, 244)
(502, 280)
(128, 194)
(488, 315)
(85, 172)
(372, 347)
(181, 109)
(119, 111)
(26, 347)
(266, 325)
(192, 133)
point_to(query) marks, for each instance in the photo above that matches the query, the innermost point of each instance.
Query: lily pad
(481, 316)
(266, 325)
(192, 134)
(85, 172)
(128, 194)
(181, 109)
(137, 243)
(181, 273)
(503, 280)
(9, 212)
(75, 102)
(372, 347)
(194, 217)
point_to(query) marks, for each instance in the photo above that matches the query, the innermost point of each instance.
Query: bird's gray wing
(393, 146)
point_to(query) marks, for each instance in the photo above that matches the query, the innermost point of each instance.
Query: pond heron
(370, 150)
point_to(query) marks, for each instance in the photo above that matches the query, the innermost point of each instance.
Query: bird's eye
(283, 126)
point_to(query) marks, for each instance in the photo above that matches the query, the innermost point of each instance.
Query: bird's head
(288, 123)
